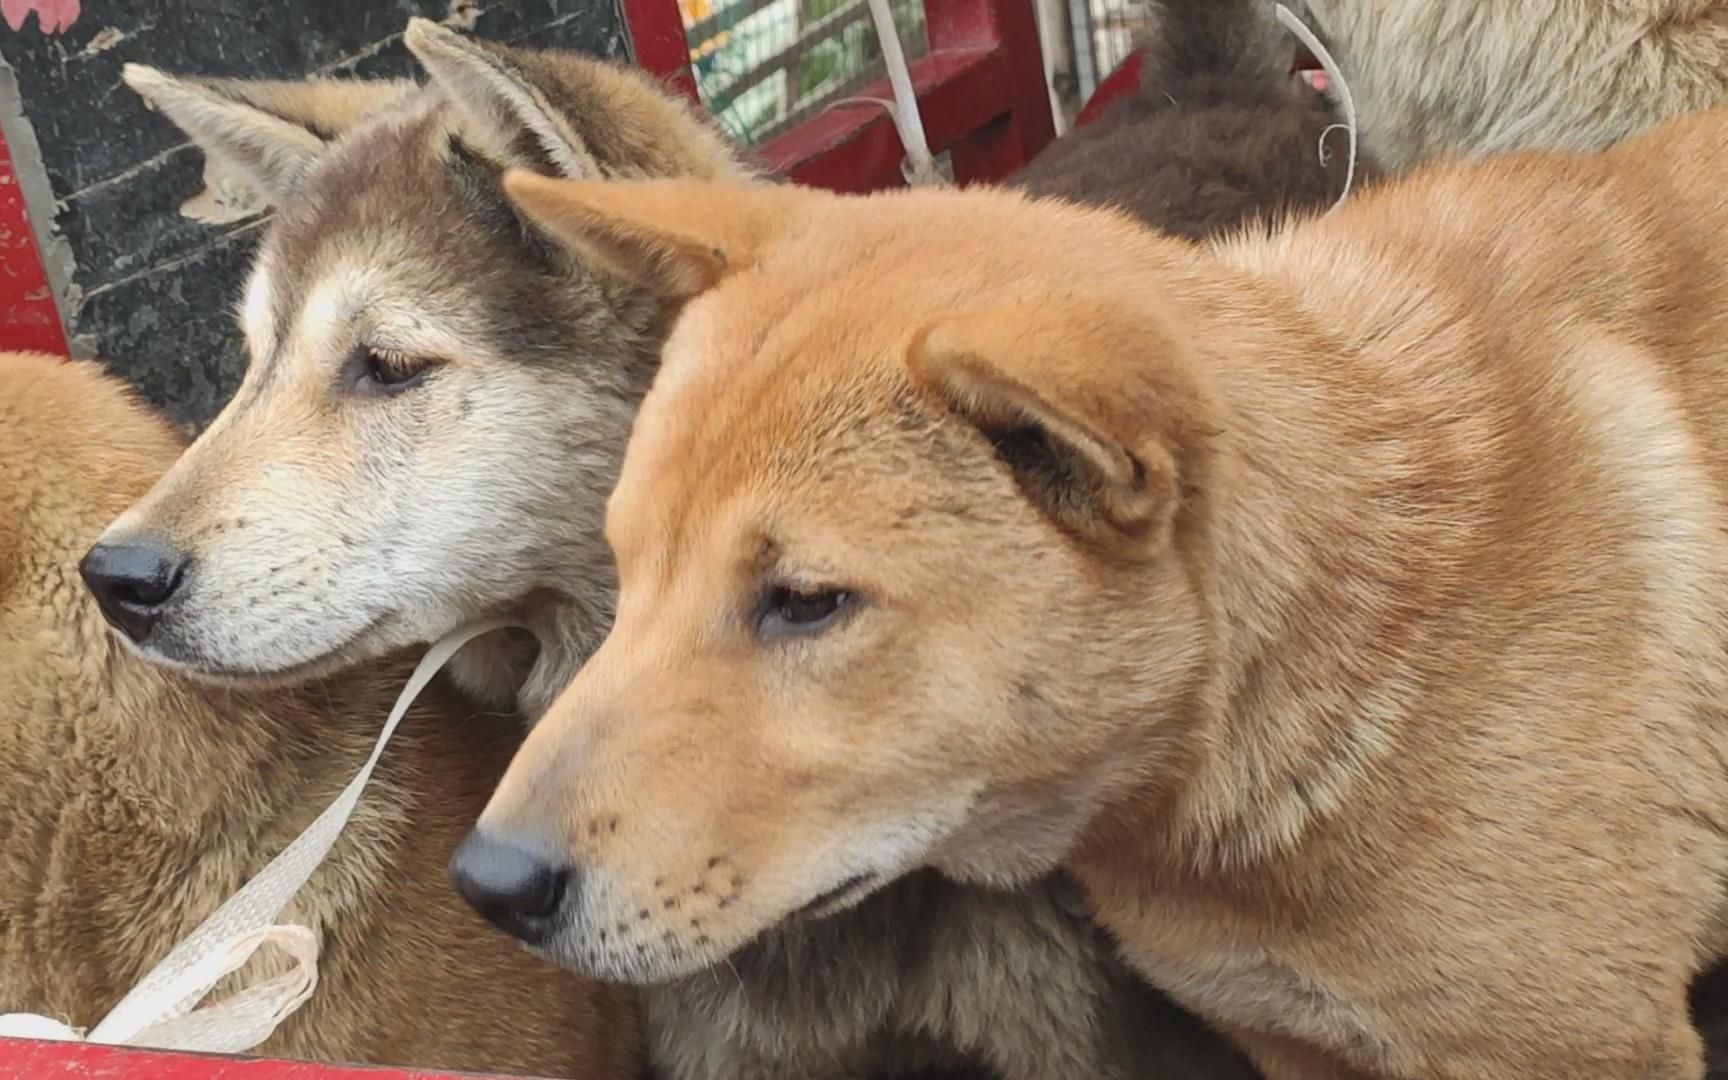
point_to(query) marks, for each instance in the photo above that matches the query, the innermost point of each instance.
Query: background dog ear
(676, 238)
(1072, 408)
(264, 132)
(496, 90)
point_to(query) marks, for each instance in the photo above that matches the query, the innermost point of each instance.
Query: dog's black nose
(131, 581)
(515, 889)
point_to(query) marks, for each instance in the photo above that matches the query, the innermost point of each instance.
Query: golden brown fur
(136, 801)
(1348, 609)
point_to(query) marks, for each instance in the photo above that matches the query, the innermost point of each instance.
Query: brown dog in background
(136, 801)
(1347, 609)
(1218, 135)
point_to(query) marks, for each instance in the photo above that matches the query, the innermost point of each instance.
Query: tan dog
(135, 801)
(1347, 609)
(1477, 76)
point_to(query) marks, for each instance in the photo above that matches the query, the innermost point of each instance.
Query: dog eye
(786, 610)
(390, 370)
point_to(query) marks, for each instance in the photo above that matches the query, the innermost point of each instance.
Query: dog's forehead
(793, 438)
(397, 222)
(788, 390)
(382, 185)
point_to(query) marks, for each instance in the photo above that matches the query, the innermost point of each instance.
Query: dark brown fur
(1217, 134)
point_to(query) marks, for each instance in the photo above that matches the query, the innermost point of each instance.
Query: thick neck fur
(1298, 529)
(1599, 72)
(1389, 474)
(1286, 556)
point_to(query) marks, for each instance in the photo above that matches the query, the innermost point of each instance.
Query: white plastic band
(1336, 87)
(919, 166)
(160, 1013)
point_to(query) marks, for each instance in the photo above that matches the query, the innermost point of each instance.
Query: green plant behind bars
(823, 71)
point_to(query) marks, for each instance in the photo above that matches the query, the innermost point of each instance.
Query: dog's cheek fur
(804, 772)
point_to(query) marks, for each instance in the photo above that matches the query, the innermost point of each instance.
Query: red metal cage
(980, 87)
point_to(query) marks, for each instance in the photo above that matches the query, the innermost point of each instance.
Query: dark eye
(785, 610)
(386, 370)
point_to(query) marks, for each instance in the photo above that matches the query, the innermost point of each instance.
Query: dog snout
(514, 888)
(131, 581)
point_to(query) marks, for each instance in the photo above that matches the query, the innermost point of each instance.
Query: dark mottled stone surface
(157, 290)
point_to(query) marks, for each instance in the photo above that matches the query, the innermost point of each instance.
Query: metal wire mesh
(1114, 24)
(1102, 33)
(763, 66)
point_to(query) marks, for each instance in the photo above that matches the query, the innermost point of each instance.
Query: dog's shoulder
(71, 428)
(76, 447)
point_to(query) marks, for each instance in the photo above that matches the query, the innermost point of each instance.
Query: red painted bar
(28, 317)
(1124, 80)
(980, 89)
(25, 1059)
(1025, 126)
(657, 42)
(856, 148)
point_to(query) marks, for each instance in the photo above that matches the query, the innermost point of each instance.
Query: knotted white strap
(1336, 88)
(159, 1012)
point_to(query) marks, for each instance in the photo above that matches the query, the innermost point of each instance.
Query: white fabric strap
(919, 167)
(1336, 87)
(159, 1012)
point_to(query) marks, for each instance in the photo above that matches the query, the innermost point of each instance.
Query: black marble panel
(154, 290)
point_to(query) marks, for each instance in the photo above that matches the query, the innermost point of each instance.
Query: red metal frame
(980, 89)
(24, 1059)
(1118, 83)
(656, 30)
(28, 317)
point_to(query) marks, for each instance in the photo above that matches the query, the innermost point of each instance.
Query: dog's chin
(670, 958)
(494, 668)
(657, 965)
(1000, 865)
(169, 652)
(848, 894)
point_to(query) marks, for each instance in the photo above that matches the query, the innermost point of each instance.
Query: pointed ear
(499, 92)
(676, 238)
(1084, 403)
(264, 132)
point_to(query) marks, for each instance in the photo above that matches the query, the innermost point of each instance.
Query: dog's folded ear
(1083, 402)
(675, 238)
(504, 96)
(265, 131)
